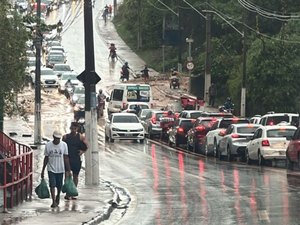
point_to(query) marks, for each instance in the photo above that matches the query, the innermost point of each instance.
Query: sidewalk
(94, 203)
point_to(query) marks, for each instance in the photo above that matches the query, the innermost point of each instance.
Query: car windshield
(56, 58)
(186, 124)
(246, 130)
(226, 123)
(282, 132)
(141, 106)
(125, 119)
(62, 68)
(79, 90)
(68, 76)
(47, 72)
(195, 115)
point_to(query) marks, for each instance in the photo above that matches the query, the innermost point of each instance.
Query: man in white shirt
(57, 161)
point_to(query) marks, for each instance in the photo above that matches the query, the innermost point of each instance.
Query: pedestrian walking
(77, 145)
(212, 92)
(145, 73)
(57, 161)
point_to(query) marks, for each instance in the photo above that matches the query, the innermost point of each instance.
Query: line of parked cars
(259, 139)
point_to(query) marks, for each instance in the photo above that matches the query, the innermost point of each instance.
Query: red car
(196, 135)
(293, 151)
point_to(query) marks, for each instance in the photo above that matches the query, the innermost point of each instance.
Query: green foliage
(273, 46)
(12, 52)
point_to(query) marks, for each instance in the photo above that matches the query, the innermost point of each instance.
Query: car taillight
(200, 128)
(180, 130)
(235, 136)
(153, 119)
(265, 143)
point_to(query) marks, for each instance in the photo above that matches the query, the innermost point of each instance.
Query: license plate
(128, 135)
(281, 152)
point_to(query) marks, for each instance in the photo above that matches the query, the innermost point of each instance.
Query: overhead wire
(252, 29)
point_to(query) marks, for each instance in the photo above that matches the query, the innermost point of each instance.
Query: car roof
(246, 124)
(279, 114)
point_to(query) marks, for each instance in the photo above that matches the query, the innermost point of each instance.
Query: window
(117, 95)
(246, 130)
(138, 96)
(280, 133)
(125, 119)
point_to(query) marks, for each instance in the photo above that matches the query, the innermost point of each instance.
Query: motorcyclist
(112, 50)
(137, 109)
(228, 105)
(125, 71)
(68, 88)
(59, 26)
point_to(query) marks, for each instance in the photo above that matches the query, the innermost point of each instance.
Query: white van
(122, 94)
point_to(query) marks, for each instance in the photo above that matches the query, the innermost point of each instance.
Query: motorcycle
(223, 109)
(174, 82)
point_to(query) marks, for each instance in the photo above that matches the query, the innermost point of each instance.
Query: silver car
(235, 139)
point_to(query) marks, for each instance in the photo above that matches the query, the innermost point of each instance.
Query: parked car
(196, 135)
(61, 68)
(213, 137)
(293, 151)
(53, 59)
(190, 114)
(178, 132)
(142, 114)
(77, 93)
(48, 77)
(269, 142)
(124, 126)
(130, 106)
(152, 123)
(272, 118)
(234, 140)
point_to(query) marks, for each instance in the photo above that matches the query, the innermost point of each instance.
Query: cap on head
(57, 134)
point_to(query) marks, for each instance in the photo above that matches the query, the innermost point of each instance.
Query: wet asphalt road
(167, 186)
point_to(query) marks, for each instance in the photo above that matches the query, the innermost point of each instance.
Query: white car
(269, 142)
(130, 106)
(48, 77)
(124, 126)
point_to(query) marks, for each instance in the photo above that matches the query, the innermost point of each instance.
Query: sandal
(67, 198)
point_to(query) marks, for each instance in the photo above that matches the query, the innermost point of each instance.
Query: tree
(12, 56)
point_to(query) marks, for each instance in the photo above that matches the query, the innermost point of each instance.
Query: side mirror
(107, 99)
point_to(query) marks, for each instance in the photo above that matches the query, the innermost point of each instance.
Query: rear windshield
(195, 115)
(138, 95)
(280, 133)
(125, 119)
(226, 123)
(246, 130)
(186, 124)
(273, 120)
(159, 115)
(207, 123)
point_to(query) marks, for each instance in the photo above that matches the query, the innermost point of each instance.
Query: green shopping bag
(42, 190)
(69, 187)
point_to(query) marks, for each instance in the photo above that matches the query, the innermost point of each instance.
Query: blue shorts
(55, 179)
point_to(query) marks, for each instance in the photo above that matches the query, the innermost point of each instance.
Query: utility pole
(37, 82)
(139, 34)
(179, 67)
(90, 78)
(244, 76)
(115, 7)
(207, 76)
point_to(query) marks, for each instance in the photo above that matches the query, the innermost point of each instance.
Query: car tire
(215, 149)
(142, 141)
(111, 140)
(299, 161)
(289, 163)
(176, 144)
(229, 156)
(106, 138)
(261, 160)
(248, 160)
(220, 157)
(188, 147)
(205, 150)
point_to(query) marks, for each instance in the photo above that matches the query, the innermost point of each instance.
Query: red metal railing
(15, 171)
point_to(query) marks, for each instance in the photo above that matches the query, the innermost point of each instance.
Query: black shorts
(55, 179)
(75, 166)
